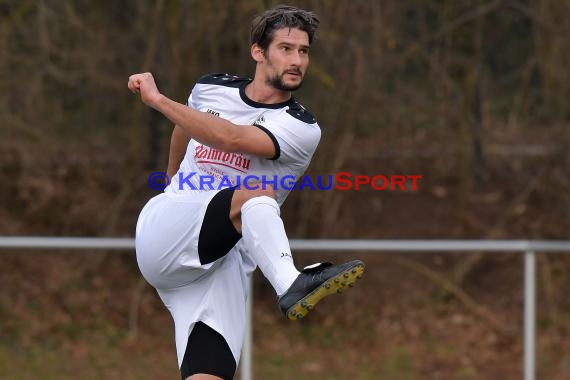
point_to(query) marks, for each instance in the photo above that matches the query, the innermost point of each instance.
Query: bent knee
(260, 191)
(241, 196)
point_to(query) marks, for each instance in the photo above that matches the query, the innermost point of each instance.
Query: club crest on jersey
(260, 121)
(206, 155)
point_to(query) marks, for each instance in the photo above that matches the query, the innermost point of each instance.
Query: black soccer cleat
(316, 282)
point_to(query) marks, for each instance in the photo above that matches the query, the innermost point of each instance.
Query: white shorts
(168, 235)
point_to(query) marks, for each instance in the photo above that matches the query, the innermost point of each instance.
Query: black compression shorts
(207, 352)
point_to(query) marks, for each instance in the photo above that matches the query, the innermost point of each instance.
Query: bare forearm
(203, 127)
(207, 129)
(178, 145)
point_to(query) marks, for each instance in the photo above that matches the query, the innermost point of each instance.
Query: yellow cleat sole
(334, 285)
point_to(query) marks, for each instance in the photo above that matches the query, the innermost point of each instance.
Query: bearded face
(287, 59)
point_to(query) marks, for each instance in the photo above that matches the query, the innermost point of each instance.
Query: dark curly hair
(282, 16)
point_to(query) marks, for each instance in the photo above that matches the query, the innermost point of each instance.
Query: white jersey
(169, 225)
(290, 126)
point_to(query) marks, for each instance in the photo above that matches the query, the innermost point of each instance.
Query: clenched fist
(144, 84)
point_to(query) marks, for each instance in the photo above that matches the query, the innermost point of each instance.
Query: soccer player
(197, 245)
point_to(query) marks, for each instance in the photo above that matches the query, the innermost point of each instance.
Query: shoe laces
(316, 270)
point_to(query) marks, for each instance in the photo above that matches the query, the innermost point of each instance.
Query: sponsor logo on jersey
(206, 155)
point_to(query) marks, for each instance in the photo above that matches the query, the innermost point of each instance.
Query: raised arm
(207, 129)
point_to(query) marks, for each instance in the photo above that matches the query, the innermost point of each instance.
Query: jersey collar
(255, 104)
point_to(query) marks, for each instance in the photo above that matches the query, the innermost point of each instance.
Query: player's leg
(255, 214)
(207, 356)
(218, 234)
(178, 237)
(178, 240)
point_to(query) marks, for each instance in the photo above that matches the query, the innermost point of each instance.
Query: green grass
(88, 358)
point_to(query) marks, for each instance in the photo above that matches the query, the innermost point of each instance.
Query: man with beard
(197, 245)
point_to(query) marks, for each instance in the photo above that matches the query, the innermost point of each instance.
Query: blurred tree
(390, 71)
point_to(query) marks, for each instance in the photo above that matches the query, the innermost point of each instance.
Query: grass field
(385, 328)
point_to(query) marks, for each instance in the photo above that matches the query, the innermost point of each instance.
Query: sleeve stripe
(275, 143)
